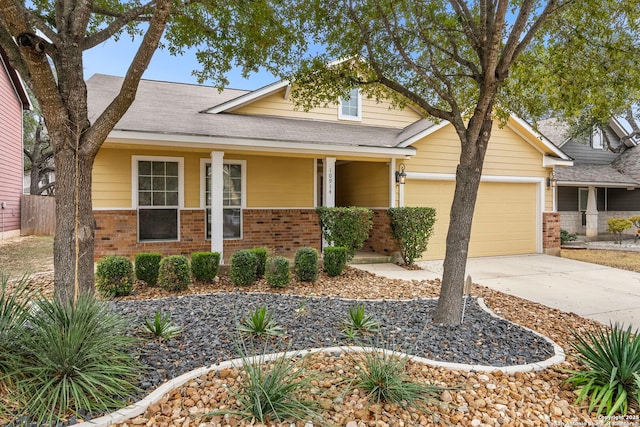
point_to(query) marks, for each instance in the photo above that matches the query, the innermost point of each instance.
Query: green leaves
(612, 376)
(161, 326)
(260, 323)
(347, 227)
(412, 227)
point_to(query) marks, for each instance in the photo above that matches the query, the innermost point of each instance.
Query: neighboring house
(13, 100)
(189, 168)
(602, 184)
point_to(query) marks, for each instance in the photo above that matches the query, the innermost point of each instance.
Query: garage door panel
(504, 221)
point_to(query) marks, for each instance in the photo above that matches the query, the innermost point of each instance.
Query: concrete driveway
(596, 292)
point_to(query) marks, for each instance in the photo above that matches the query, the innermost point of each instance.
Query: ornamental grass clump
(273, 391)
(259, 323)
(73, 357)
(148, 267)
(278, 272)
(174, 274)
(244, 265)
(383, 376)
(114, 276)
(611, 380)
(359, 322)
(161, 326)
(204, 265)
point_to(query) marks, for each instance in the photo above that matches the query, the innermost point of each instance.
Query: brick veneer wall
(551, 233)
(282, 231)
(380, 240)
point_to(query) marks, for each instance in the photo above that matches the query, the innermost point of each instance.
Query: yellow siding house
(189, 168)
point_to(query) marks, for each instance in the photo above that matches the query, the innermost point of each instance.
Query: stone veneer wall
(572, 221)
(380, 240)
(282, 231)
(551, 233)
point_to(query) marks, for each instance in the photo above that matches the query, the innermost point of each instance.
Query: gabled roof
(18, 85)
(599, 175)
(248, 98)
(629, 163)
(175, 111)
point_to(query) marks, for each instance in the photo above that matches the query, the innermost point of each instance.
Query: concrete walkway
(593, 291)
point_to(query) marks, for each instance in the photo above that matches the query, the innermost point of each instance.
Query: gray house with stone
(604, 181)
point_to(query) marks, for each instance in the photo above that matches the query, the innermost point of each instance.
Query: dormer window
(351, 108)
(597, 140)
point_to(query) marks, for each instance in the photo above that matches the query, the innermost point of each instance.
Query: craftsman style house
(13, 100)
(191, 168)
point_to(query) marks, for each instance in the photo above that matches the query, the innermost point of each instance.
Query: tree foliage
(38, 154)
(449, 59)
(45, 40)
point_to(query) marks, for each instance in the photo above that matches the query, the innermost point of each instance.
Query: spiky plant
(161, 327)
(259, 323)
(359, 322)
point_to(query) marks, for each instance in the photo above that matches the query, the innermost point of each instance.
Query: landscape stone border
(141, 406)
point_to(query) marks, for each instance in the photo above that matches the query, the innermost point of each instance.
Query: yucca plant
(273, 391)
(611, 380)
(260, 323)
(359, 322)
(383, 376)
(72, 357)
(161, 327)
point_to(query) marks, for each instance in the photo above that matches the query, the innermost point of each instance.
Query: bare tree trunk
(468, 174)
(75, 227)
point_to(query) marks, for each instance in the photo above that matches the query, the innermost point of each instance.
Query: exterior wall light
(401, 175)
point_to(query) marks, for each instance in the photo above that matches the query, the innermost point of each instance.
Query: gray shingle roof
(629, 163)
(602, 174)
(177, 109)
(555, 130)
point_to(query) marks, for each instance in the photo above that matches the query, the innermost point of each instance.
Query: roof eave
(17, 82)
(598, 184)
(247, 98)
(253, 144)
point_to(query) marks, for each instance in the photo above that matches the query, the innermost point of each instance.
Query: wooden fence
(38, 215)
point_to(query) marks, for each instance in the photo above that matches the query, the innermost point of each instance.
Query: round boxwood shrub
(335, 258)
(147, 267)
(174, 273)
(306, 264)
(114, 276)
(278, 272)
(244, 264)
(204, 265)
(261, 254)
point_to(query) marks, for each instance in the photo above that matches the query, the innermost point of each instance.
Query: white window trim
(134, 190)
(203, 192)
(357, 118)
(597, 135)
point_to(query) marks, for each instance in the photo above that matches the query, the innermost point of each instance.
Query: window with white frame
(233, 194)
(351, 108)
(158, 197)
(597, 139)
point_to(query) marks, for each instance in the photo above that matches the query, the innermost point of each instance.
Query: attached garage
(506, 218)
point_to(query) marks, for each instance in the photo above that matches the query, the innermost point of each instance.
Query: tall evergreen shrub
(348, 227)
(244, 264)
(412, 227)
(306, 264)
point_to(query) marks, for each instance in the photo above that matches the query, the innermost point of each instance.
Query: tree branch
(118, 24)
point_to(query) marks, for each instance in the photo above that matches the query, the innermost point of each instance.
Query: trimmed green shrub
(204, 265)
(148, 267)
(72, 358)
(565, 236)
(335, 258)
(174, 273)
(346, 227)
(617, 226)
(261, 255)
(412, 227)
(611, 380)
(114, 276)
(278, 272)
(306, 264)
(244, 265)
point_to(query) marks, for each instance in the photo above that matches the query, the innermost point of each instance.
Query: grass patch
(30, 254)
(617, 259)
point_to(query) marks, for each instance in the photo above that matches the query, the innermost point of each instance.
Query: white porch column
(592, 214)
(329, 184)
(401, 195)
(217, 190)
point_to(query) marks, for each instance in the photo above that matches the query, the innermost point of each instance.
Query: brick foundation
(551, 233)
(282, 231)
(380, 240)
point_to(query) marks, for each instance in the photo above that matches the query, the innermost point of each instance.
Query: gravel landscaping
(209, 313)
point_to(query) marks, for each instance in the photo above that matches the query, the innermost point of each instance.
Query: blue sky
(113, 58)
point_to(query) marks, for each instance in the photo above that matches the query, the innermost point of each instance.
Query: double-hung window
(351, 108)
(157, 197)
(233, 194)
